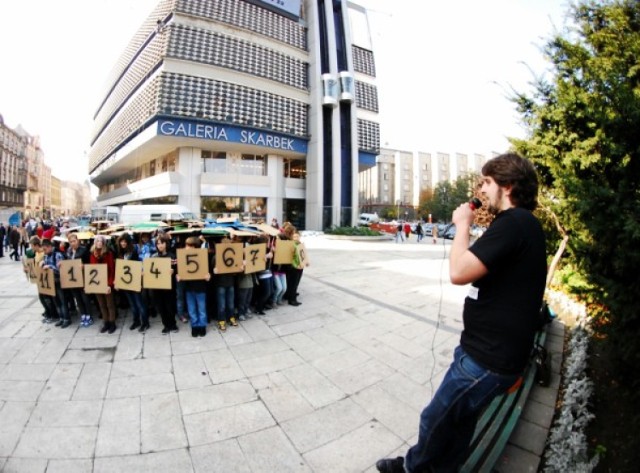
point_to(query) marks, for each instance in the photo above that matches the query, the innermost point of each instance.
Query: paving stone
(271, 450)
(270, 363)
(357, 448)
(170, 461)
(284, 402)
(13, 418)
(57, 442)
(210, 398)
(11, 390)
(222, 367)
(325, 425)
(21, 465)
(66, 413)
(222, 424)
(161, 423)
(141, 367)
(119, 432)
(92, 383)
(220, 456)
(70, 466)
(316, 388)
(141, 385)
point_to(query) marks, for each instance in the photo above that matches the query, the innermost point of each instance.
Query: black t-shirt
(501, 309)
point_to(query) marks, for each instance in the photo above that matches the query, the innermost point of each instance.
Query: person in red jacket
(407, 230)
(100, 254)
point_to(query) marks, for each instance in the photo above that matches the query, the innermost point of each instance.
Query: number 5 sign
(193, 263)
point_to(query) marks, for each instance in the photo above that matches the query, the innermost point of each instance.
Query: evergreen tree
(584, 124)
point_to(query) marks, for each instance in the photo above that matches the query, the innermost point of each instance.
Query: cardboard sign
(128, 275)
(193, 263)
(71, 274)
(46, 282)
(302, 256)
(156, 273)
(254, 258)
(33, 271)
(229, 258)
(96, 279)
(284, 252)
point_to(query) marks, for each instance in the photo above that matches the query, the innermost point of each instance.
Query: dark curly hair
(513, 170)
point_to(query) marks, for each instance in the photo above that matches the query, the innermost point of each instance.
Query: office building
(262, 108)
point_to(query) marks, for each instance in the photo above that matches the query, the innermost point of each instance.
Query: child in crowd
(100, 254)
(52, 261)
(127, 251)
(196, 295)
(164, 299)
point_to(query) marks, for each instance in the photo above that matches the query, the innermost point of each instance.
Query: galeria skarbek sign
(234, 134)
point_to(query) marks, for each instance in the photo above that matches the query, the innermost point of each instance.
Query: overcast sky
(443, 69)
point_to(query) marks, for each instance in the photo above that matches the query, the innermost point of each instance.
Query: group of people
(403, 231)
(220, 297)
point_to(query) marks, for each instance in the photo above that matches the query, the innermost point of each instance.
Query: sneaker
(242, 318)
(59, 323)
(65, 323)
(222, 326)
(184, 319)
(89, 320)
(143, 328)
(174, 330)
(233, 321)
(134, 325)
(47, 320)
(390, 465)
(165, 331)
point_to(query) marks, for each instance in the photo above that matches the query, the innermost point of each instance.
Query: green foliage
(352, 231)
(446, 197)
(584, 140)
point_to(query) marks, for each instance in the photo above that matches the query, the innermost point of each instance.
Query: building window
(295, 168)
(214, 162)
(253, 165)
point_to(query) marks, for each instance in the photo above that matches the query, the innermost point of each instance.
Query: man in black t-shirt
(506, 268)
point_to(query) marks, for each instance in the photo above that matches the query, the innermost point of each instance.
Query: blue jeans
(280, 282)
(197, 305)
(448, 422)
(138, 309)
(225, 297)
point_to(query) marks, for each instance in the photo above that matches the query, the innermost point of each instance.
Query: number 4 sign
(156, 273)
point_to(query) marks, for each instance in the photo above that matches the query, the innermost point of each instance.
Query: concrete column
(275, 169)
(190, 171)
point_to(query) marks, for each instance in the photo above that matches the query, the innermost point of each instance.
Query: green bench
(498, 421)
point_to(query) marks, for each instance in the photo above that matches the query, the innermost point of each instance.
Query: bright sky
(444, 69)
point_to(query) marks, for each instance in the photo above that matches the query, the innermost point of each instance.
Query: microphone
(474, 203)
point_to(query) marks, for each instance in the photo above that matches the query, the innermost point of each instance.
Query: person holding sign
(52, 261)
(222, 262)
(100, 254)
(164, 299)
(77, 295)
(195, 291)
(36, 253)
(128, 251)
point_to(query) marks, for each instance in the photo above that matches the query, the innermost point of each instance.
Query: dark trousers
(165, 304)
(293, 280)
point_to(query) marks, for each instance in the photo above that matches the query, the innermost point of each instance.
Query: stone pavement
(329, 386)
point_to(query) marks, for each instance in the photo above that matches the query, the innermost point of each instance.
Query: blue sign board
(232, 134)
(14, 219)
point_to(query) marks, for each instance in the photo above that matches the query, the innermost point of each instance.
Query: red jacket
(107, 259)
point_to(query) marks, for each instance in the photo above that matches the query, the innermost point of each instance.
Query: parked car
(449, 232)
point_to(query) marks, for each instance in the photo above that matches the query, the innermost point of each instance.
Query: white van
(132, 214)
(367, 219)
